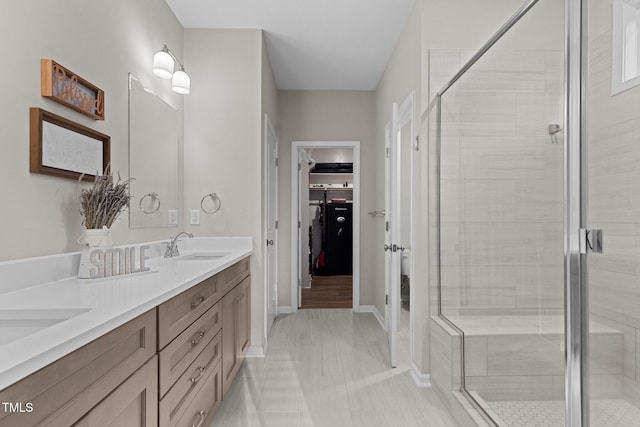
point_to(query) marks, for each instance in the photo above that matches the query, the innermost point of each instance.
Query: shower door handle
(590, 241)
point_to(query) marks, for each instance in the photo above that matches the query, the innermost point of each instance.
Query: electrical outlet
(195, 217)
(172, 215)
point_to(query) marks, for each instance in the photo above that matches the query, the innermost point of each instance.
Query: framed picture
(62, 148)
(64, 86)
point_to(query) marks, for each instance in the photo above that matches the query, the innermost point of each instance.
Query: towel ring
(215, 199)
(154, 196)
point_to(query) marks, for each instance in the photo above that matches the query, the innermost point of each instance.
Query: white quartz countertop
(42, 322)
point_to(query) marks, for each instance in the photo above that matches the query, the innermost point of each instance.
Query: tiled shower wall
(614, 196)
(502, 182)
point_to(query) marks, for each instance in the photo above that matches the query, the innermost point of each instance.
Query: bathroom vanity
(156, 349)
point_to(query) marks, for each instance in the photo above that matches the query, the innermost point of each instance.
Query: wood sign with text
(67, 88)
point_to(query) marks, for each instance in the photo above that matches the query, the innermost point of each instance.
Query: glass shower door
(501, 218)
(613, 205)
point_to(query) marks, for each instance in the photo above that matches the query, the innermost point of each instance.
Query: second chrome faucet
(171, 247)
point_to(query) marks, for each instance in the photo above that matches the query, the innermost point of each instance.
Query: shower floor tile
(604, 413)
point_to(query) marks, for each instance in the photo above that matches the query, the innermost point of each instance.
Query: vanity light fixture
(163, 66)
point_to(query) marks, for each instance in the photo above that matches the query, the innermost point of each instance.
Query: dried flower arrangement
(104, 200)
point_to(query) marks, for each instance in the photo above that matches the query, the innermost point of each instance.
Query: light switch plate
(172, 215)
(195, 217)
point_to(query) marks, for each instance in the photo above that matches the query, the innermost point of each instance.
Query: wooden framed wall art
(66, 149)
(61, 85)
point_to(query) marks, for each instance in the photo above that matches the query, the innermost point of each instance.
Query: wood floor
(329, 368)
(328, 292)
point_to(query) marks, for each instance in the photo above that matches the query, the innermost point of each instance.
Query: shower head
(306, 157)
(554, 128)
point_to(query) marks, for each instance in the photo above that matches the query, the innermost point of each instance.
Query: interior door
(392, 236)
(272, 223)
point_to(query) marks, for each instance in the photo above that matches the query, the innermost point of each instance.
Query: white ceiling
(312, 44)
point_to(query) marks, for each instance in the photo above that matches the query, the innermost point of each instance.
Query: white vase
(99, 238)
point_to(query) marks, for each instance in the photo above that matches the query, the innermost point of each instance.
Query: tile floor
(329, 368)
(604, 413)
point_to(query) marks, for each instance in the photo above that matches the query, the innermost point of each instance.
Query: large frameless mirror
(153, 158)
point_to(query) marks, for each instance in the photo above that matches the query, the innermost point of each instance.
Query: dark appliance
(339, 239)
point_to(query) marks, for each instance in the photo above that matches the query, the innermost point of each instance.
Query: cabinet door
(64, 391)
(134, 403)
(244, 316)
(229, 338)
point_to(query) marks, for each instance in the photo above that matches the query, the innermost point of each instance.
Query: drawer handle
(201, 415)
(195, 341)
(197, 303)
(200, 374)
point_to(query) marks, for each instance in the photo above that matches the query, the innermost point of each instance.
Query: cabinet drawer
(81, 379)
(175, 402)
(181, 352)
(175, 315)
(233, 275)
(205, 402)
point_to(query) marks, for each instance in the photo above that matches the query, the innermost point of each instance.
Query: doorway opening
(325, 209)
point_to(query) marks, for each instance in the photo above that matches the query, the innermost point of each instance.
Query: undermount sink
(16, 324)
(203, 256)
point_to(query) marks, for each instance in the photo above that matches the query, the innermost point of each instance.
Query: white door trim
(401, 116)
(296, 147)
(268, 130)
(406, 114)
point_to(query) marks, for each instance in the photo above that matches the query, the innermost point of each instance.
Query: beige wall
(223, 140)
(102, 42)
(326, 116)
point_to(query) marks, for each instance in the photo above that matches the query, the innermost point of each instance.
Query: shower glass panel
(613, 205)
(502, 218)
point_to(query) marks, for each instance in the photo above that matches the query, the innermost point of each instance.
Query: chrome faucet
(171, 247)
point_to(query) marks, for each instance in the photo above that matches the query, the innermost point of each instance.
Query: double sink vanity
(158, 348)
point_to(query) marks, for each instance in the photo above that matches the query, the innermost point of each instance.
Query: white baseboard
(255, 351)
(285, 309)
(373, 309)
(421, 380)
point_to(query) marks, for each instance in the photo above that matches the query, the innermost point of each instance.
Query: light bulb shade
(163, 65)
(181, 82)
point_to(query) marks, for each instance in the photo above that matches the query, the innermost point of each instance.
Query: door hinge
(386, 225)
(299, 166)
(417, 146)
(386, 299)
(276, 225)
(387, 152)
(299, 224)
(591, 241)
(276, 162)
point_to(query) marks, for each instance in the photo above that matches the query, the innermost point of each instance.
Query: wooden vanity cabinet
(167, 367)
(117, 369)
(214, 318)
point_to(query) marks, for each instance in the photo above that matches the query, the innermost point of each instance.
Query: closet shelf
(329, 187)
(331, 173)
